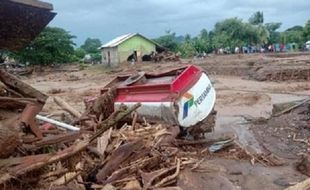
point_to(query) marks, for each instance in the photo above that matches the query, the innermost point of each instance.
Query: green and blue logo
(190, 100)
(188, 104)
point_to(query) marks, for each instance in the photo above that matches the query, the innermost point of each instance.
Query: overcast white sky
(106, 19)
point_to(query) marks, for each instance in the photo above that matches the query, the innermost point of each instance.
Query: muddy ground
(247, 87)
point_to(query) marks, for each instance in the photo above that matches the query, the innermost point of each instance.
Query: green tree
(273, 26)
(80, 53)
(295, 28)
(202, 43)
(187, 49)
(306, 31)
(187, 38)
(293, 35)
(96, 57)
(168, 40)
(274, 36)
(53, 45)
(257, 18)
(204, 34)
(233, 32)
(91, 45)
(263, 34)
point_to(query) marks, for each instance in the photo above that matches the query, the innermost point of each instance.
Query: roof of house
(120, 39)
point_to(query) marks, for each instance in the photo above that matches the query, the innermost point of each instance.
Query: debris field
(117, 149)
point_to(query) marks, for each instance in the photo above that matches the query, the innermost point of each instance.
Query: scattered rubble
(19, 104)
(132, 153)
(288, 129)
(304, 165)
(108, 151)
(282, 74)
(262, 67)
(17, 69)
(165, 56)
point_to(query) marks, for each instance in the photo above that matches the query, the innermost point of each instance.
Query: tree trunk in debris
(9, 140)
(21, 87)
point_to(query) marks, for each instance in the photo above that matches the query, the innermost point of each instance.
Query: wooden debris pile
(111, 150)
(19, 104)
(16, 68)
(166, 56)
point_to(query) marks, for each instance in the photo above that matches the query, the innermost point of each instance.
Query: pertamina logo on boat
(191, 101)
(187, 104)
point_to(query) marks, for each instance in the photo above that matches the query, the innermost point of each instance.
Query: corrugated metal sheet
(118, 40)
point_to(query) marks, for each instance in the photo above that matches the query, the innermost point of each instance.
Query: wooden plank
(34, 3)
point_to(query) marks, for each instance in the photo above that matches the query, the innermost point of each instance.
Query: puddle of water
(230, 117)
(236, 125)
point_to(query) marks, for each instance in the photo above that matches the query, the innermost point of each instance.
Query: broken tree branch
(169, 178)
(62, 138)
(65, 106)
(161, 173)
(106, 124)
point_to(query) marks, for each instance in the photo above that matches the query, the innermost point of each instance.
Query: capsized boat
(183, 96)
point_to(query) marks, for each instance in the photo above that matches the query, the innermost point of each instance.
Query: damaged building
(128, 47)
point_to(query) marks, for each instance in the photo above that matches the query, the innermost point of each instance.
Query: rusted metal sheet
(21, 21)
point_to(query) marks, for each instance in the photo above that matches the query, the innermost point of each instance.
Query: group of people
(258, 49)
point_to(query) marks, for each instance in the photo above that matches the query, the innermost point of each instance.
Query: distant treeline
(55, 45)
(233, 32)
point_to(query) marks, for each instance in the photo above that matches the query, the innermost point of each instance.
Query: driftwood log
(22, 88)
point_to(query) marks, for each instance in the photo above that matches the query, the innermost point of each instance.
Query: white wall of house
(110, 56)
